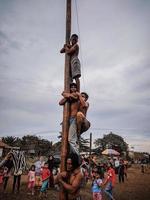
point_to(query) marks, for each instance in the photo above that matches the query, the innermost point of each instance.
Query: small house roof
(3, 145)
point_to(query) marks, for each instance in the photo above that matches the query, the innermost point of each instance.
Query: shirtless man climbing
(82, 123)
(72, 178)
(73, 99)
(72, 49)
(78, 109)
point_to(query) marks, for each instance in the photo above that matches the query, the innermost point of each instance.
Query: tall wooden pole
(66, 114)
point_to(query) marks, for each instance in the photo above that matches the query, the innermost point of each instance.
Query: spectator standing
(7, 163)
(45, 179)
(31, 179)
(125, 168)
(96, 185)
(6, 175)
(116, 163)
(1, 178)
(110, 181)
(121, 172)
(142, 168)
(51, 167)
(38, 166)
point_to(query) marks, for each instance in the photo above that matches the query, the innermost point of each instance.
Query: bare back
(84, 109)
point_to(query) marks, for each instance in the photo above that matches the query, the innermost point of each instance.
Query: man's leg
(72, 136)
(85, 125)
(78, 84)
(119, 176)
(14, 183)
(18, 182)
(108, 191)
(73, 139)
(5, 182)
(80, 119)
(123, 178)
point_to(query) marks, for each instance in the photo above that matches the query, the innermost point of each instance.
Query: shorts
(44, 185)
(38, 181)
(85, 125)
(75, 67)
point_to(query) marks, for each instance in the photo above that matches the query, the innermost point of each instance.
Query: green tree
(11, 140)
(56, 147)
(39, 145)
(29, 142)
(113, 141)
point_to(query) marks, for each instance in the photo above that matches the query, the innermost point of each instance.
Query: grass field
(137, 187)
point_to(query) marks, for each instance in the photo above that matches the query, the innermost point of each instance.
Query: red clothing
(31, 176)
(111, 176)
(45, 173)
(1, 178)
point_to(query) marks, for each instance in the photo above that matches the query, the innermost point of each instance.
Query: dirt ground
(137, 187)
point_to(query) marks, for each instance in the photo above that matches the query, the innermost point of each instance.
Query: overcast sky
(114, 38)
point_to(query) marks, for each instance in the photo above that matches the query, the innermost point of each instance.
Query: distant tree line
(35, 144)
(29, 143)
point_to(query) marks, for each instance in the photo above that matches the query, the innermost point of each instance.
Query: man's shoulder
(87, 104)
(78, 172)
(76, 45)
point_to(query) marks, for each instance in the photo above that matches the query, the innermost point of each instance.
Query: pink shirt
(31, 176)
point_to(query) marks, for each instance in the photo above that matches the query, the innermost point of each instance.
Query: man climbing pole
(77, 121)
(72, 178)
(73, 99)
(82, 123)
(72, 49)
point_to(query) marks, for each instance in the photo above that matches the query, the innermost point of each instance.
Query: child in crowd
(45, 179)
(1, 178)
(96, 185)
(6, 175)
(31, 179)
(38, 167)
(110, 181)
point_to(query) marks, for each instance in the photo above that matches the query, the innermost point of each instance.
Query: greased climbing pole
(65, 126)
